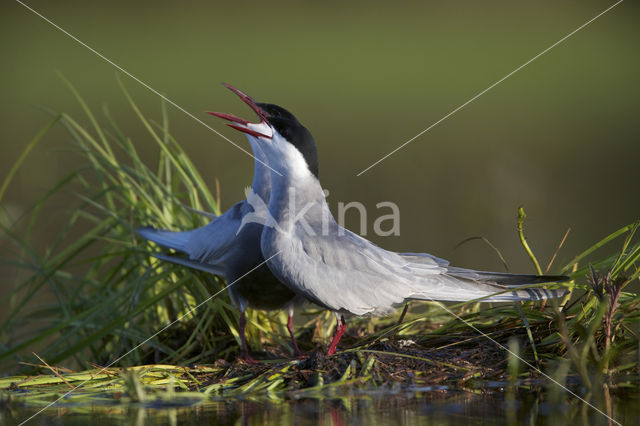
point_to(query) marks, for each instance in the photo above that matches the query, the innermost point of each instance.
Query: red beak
(240, 123)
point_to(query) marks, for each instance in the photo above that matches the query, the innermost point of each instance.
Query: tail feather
(503, 282)
(169, 239)
(504, 278)
(527, 294)
(467, 291)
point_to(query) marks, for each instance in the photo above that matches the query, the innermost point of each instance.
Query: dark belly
(262, 290)
(258, 286)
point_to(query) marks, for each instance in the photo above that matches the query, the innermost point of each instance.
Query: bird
(229, 246)
(330, 266)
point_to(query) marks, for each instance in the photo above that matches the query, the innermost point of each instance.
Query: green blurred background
(560, 137)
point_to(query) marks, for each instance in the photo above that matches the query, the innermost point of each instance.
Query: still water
(372, 407)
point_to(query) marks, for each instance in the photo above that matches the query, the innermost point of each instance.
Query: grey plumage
(344, 272)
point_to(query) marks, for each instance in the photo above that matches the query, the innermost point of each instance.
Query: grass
(110, 296)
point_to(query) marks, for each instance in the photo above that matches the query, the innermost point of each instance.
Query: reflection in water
(364, 407)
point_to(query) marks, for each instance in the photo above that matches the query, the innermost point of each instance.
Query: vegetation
(133, 328)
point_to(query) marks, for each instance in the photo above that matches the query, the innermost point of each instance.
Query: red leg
(244, 352)
(296, 350)
(340, 328)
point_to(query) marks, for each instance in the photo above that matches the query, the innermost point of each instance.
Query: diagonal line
(191, 311)
(76, 39)
(491, 87)
(501, 346)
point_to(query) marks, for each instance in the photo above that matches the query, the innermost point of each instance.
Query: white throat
(261, 184)
(294, 180)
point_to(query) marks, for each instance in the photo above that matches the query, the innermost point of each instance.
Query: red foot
(341, 327)
(248, 359)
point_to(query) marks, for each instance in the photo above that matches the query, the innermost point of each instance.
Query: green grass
(110, 296)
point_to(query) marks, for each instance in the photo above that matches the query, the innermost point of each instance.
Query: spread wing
(209, 244)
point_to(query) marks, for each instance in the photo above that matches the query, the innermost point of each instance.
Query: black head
(290, 128)
(285, 123)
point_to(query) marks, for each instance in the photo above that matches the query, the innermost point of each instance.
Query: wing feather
(345, 272)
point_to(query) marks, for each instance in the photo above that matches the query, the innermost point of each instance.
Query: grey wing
(211, 243)
(424, 258)
(349, 273)
(210, 248)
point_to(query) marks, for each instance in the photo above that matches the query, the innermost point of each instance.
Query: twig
(31, 364)
(402, 315)
(54, 371)
(566, 234)
(487, 242)
(107, 371)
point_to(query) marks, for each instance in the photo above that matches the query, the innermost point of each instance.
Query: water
(370, 407)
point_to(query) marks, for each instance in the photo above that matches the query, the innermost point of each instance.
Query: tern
(229, 246)
(315, 257)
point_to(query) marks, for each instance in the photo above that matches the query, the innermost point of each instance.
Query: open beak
(260, 130)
